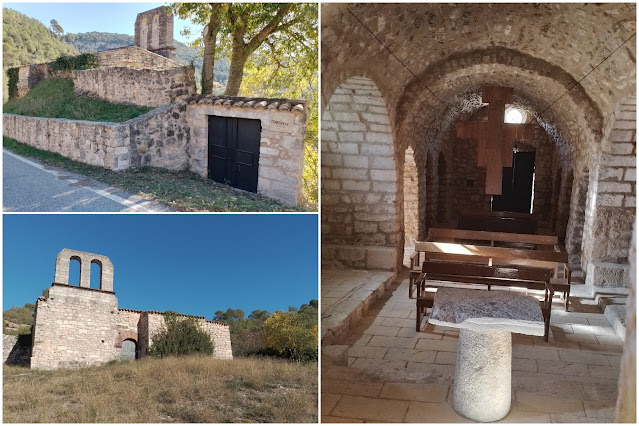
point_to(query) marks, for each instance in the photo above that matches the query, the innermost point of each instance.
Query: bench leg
(566, 299)
(419, 319)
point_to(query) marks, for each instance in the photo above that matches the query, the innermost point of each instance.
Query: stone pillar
(575, 228)
(482, 388)
(411, 198)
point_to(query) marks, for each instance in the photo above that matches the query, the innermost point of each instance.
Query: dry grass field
(170, 390)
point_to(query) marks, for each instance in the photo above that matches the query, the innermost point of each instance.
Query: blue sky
(101, 17)
(191, 263)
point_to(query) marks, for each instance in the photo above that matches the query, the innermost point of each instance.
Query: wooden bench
(522, 223)
(534, 241)
(482, 275)
(494, 256)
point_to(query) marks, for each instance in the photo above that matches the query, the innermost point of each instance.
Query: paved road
(30, 186)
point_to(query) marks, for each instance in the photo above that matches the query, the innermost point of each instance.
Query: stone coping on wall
(179, 314)
(83, 288)
(143, 51)
(293, 105)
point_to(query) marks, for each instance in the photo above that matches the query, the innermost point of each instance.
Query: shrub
(12, 74)
(180, 336)
(292, 335)
(84, 61)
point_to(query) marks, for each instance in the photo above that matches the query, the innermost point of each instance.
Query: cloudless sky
(102, 17)
(190, 263)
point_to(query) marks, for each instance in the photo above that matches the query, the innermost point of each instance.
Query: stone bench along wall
(143, 87)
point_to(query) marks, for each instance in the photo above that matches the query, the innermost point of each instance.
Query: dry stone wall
(360, 227)
(143, 87)
(281, 157)
(98, 144)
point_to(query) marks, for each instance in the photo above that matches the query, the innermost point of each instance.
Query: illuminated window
(515, 116)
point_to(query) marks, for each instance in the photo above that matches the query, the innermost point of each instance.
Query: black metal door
(517, 184)
(234, 151)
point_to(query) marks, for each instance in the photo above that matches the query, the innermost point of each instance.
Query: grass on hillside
(182, 191)
(55, 97)
(176, 390)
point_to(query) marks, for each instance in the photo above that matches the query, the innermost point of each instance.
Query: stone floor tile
(424, 412)
(567, 418)
(430, 373)
(555, 344)
(575, 338)
(521, 339)
(394, 313)
(375, 352)
(329, 400)
(604, 372)
(600, 409)
(415, 392)
(583, 357)
(437, 345)
(393, 342)
(409, 332)
(600, 322)
(532, 401)
(563, 368)
(382, 330)
(376, 409)
(601, 348)
(522, 364)
(446, 358)
(535, 352)
(341, 373)
(399, 322)
(333, 419)
(351, 388)
(423, 356)
(363, 340)
(400, 354)
(429, 333)
(519, 416)
(596, 330)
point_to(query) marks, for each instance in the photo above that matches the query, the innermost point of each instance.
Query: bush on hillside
(292, 335)
(180, 336)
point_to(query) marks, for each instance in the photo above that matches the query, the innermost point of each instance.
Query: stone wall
(360, 227)
(143, 87)
(154, 31)
(135, 57)
(16, 350)
(610, 210)
(74, 327)
(281, 157)
(98, 144)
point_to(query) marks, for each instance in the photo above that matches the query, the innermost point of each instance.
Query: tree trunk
(236, 71)
(209, 38)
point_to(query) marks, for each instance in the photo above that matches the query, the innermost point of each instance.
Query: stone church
(81, 325)
(410, 93)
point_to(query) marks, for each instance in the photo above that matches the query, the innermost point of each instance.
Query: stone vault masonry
(77, 326)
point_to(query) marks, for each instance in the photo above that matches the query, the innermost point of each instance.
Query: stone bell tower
(154, 31)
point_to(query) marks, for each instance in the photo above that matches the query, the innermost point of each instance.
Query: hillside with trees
(28, 41)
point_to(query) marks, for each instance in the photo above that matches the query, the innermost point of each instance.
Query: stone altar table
(486, 319)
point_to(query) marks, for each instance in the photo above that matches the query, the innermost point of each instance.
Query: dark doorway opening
(517, 185)
(234, 151)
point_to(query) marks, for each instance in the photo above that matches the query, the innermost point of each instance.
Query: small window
(515, 116)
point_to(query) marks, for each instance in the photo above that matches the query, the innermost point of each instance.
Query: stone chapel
(407, 92)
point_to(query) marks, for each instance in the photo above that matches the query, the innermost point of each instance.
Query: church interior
(478, 138)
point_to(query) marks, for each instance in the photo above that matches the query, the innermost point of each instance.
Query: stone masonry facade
(77, 326)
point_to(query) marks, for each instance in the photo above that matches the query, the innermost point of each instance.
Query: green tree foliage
(243, 28)
(180, 336)
(57, 28)
(293, 334)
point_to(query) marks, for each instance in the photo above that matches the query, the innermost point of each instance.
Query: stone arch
(79, 260)
(155, 32)
(125, 335)
(144, 33)
(361, 200)
(99, 264)
(86, 259)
